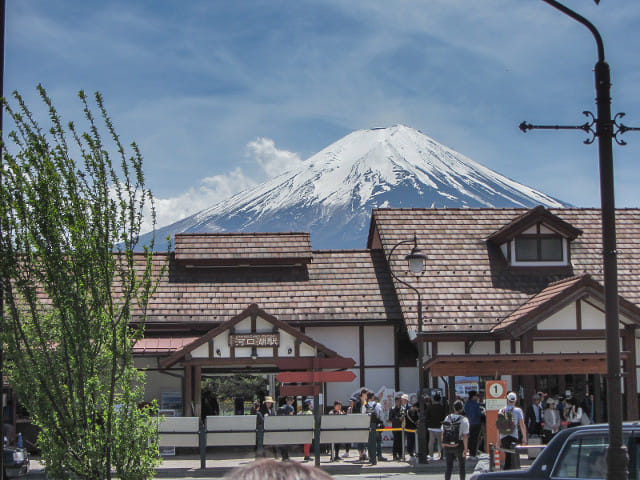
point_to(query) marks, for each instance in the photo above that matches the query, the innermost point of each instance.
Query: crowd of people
(453, 431)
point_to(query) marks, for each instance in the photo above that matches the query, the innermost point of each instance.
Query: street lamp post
(416, 264)
(617, 458)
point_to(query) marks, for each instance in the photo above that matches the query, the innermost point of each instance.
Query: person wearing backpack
(455, 439)
(509, 424)
(374, 410)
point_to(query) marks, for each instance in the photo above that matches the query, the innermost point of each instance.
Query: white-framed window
(538, 246)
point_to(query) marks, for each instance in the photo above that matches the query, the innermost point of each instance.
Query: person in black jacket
(434, 416)
(533, 416)
(411, 423)
(396, 416)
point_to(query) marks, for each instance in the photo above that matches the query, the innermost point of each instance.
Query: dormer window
(538, 246)
(534, 248)
(537, 238)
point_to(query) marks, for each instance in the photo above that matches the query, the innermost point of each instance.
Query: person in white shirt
(508, 440)
(455, 448)
(551, 419)
(575, 413)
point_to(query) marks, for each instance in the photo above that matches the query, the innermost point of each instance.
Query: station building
(512, 294)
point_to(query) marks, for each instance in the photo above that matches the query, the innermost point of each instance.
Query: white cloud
(211, 190)
(272, 160)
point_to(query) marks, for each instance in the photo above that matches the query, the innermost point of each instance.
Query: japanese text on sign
(255, 340)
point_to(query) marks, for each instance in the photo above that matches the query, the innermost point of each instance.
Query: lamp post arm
(403, 282)
(579, 18)
(422, 427)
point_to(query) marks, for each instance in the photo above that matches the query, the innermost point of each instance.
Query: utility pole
(606, 129)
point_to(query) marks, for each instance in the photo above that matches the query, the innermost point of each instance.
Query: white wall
(379, 345)
(592, 318)
(565, 319)
(481, 348)
(505, 346)
(222, 342)
(569, 346)
(379, 377)
(342, 390)
(446, 348)
(343, 340)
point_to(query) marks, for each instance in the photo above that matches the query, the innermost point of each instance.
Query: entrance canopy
(498, 364)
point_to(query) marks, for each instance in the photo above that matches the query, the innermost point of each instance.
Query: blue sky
(220, 94)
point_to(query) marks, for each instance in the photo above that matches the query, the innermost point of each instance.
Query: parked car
(575, 453)
(15, 461)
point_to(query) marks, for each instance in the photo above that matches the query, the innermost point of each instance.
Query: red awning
(161, 344)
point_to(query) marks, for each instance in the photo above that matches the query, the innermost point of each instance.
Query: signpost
(496, 398)
(307, 363)
(316, 377)
(310, 377)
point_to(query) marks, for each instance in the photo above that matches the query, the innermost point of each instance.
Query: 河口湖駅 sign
(254, 340)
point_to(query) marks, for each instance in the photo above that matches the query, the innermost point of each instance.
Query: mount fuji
(331, 195)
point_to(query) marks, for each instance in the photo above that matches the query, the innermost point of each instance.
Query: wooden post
(188, 391)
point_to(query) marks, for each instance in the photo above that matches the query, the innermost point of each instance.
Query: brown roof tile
(337, 286)
(243, 248)
(467, 285)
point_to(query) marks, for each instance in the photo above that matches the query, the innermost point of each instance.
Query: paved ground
(219, 463)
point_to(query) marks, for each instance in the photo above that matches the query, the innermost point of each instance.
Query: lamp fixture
(254, 353)
(416, 258)
(218, 352)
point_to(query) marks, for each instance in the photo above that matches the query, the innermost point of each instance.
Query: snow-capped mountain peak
(332, 193)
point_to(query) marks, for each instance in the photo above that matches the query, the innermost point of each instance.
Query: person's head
(404, 399)
(270, 469)
(536, 399)
(458, 406)
(370, 396)
(436, 398)
(268, 401)
(337, 405)
(363, 394)
(473, 395)
(512, 398)
(572, 401)
(289, 399)
(397, 400)
(306, 405)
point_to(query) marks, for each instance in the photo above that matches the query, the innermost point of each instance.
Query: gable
(252, 335)
(529, 220)
(576, 303)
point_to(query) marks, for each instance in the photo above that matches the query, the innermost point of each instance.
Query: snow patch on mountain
(332, 193)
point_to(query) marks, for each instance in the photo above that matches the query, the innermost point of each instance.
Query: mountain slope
(333, 193)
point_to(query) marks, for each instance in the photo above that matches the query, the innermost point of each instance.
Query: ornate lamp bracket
(616, 127)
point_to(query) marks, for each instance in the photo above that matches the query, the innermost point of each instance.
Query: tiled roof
(467, 285)
(243, 248)
(547, 296)
(337, 286)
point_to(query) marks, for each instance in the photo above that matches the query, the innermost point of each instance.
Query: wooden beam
(519, 364)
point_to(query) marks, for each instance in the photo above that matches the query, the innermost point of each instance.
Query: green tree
(71, 283)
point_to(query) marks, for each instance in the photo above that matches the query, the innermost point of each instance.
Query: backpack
(505, 423)
(451, 431)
